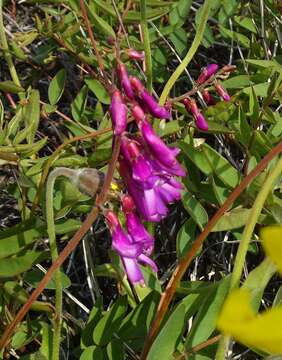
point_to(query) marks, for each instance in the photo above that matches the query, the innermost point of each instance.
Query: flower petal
(262, 331)
(272, 243)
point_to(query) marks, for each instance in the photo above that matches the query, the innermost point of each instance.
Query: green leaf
(185, 237)
(195, 209)
(32, 115)
(11, 87)
(110, 322)
(257, 281)
(101, 24)
(240, 38)
(56, 87)
(221, 167)
(233, 219)
(79, 104)
(98, 90)
(165, 343)
(115, 350)
(34, 276)
(179, 12)
(95, 315)
(92, 353)
(16, 265)
(205, 321)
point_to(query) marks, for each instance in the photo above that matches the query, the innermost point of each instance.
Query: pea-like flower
(118, 111)
(222, 92)
(130, 251)
(148, 100)
(124, 80)
(206, 73)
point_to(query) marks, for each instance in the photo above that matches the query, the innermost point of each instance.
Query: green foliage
(52, 90)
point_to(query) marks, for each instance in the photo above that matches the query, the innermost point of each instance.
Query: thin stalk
(245, 241)
(189, 56)
(147, 47)
(54, 255)
(5, 48)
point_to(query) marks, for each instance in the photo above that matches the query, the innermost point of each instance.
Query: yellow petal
(272, 243)
(263, 331)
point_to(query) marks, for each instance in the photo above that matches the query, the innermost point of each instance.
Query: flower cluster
(148, 168)
(207, 75)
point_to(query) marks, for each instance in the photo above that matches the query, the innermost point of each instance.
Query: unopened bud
(118, 112)
(222, 92)
(135, 55)
(207, 72)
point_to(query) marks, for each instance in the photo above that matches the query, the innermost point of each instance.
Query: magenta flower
(130, 251)
(118, 111)
(135, 55)
(148, 100)
(200, 121)
(135, 227)
(162, 153)
(222, 92)
(124, 80)
(209, 100)
(206, 73)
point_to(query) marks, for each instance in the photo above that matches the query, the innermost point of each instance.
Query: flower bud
(118, 112)
(201, 122)
(128, 204)
(135, 55)
(138, 113)
(209, 100)
(112, 220)
(222, 92)
(124, 80)
(207, 72)
(136, 84)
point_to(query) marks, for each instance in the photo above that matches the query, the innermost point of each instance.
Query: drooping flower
(162, 153)
(239, 320)
(135, 55)
(192, 107)
(124, 80)
(148, 100)
(118, 111)
(130, 251)
(209, 100)
(222, 92)
(135, 227)
(206, 73)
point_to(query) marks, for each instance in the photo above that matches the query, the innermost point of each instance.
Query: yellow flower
(238, 319)
(272, 243)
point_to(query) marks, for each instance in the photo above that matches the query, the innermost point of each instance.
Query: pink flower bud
(209, 100)
(128, 204)
(222, 92)
(135, 55)
(207, 72)
(228, 68)
(136, 84)
(201, 122)
(112, 219)
(138, 113)
(124, 80)
(118, 111)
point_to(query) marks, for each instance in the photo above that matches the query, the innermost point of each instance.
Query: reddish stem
(186, 261)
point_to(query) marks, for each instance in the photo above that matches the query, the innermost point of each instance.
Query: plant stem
(245, 241)
(5, 49)
(189, 56)
(54, 255)
(147, 47)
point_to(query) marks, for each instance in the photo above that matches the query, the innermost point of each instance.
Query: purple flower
(148, 201)
(162, 153)
(148, 100)
(201, 122)
(124, 80)
(209, 100)
(135, 227)
(191, 106)
(206, 73)
(131, 252)
(135, 55)
(118, 111)
(222, 92)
